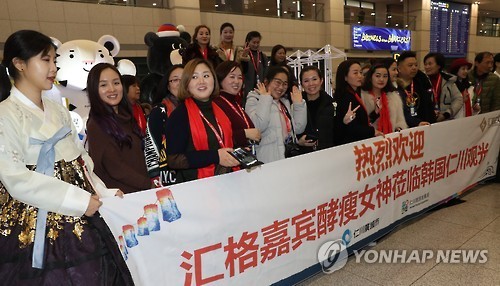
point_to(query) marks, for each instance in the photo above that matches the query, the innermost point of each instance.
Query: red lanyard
(435, 90)
(238, 111)
(358, 98)
(204, 52)
(256, 66)
(219, 135)
(284, 113)
(228, 55)
(478, 89)
(411, 91)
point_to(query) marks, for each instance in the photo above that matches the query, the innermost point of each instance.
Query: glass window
(367, 5)
(288, 9)
(352, 3)
(135, 3)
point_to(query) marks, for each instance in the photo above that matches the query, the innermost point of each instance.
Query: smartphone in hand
(246, 158)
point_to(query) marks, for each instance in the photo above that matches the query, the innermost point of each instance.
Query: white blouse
(21, 119)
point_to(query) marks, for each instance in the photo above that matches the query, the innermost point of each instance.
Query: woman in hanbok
(50, 230)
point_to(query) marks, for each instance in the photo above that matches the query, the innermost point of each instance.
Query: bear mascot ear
(150, 39)
(111, 43)
(126, 66)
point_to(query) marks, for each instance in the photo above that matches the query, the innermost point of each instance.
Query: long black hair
(368, 84)
(274, 51)
(341, 85)
(24, 45)
(103, 113)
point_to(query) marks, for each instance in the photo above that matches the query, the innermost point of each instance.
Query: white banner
(262, 226)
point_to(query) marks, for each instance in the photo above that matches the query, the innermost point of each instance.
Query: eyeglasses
(280, 82)
(175, 80)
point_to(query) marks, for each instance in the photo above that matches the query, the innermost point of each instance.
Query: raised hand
(350, 114)
(261, 89)
(296, 95)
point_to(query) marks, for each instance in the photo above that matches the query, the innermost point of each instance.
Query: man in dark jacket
(486, 84)
(416, 91)
(486, 87)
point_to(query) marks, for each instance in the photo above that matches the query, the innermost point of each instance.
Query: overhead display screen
(376, 38)
(449, 28)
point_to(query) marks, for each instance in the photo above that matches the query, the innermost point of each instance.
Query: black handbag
(292, 149)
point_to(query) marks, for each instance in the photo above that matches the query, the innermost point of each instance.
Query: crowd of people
(221, 98)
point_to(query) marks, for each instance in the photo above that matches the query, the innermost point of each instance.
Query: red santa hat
(168, 30)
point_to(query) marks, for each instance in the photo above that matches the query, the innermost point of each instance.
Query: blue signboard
(376, 38)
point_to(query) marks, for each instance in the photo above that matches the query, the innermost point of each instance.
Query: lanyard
(478, 89)
(435, 90)
(284, 113)
(358, 98)
(410, 94)
(204, 52)
(228, 54)
(238, 111)
(256, 66)
(219, 135)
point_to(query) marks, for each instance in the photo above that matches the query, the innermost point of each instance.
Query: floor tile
(385, 273)
(494, 226)
(487, 196)
(489, 241)
(459, 274)
(340, 277)
(429, 233)
(467, 214)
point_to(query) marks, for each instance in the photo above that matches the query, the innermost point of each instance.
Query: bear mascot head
(163, 52)
(74, 61)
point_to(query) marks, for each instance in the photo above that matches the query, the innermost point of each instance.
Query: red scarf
(467, 103)
(199, 132)
(139, 117)
(384, 122)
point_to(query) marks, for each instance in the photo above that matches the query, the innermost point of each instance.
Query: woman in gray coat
(447, 97)
(272, 114)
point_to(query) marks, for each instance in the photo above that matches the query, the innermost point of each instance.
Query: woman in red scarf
(131, 86)
(231, 81)
(382, 102)
(199, 134)
(355, 125)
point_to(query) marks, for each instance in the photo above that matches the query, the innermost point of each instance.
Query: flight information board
(449, 28)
